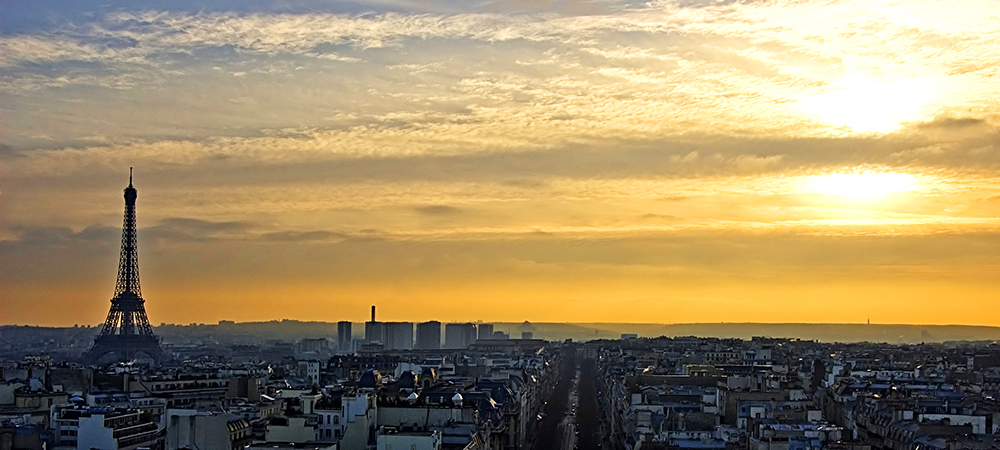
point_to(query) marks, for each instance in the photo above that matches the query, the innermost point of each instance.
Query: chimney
(373, 313)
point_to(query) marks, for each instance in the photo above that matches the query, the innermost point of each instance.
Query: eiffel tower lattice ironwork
(126, 331)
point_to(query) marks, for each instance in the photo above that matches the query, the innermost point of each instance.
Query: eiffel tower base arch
(125, 348)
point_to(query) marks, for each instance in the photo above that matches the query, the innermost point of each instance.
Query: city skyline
(580, 161)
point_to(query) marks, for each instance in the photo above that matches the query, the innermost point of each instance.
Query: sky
(669, 161)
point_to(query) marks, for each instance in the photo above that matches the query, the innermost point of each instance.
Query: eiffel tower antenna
(126, 331)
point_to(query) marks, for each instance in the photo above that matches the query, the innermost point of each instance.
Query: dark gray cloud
(439, 210)
(49, 256)
(303, 236)
(952, 123)
(203, 226)
(41, 236)
(177, 230)
(100, 233)
(180, 229)
(45, 236)
(315, 253)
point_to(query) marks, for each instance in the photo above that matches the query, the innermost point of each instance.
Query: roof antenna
(129, 176)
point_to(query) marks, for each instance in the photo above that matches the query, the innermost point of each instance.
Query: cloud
(414, 81)
(439, 210)
(956, 129)
(969, 142)
(670, 138)
(952, 123)
(175, 230)
(182, 229)
(762, 250)
(178, 229)
(666, 217)
(202, 225)
(100, 233)
(440, 153)
(45, 237)
(303, 236)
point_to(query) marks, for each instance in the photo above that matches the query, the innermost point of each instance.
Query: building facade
(459, 335)
(344, 336)
(429, 335)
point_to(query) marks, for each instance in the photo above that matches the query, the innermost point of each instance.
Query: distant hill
(825, 332)
(226, 332)
(292, 330)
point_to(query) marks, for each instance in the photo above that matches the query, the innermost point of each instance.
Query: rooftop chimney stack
(373, 313)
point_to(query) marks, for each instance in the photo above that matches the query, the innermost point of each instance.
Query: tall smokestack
(373, 313)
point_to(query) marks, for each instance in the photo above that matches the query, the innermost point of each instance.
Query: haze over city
(578, 161)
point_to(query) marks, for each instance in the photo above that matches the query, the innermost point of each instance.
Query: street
(571, 418)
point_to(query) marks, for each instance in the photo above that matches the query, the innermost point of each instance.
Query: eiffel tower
(126, 331)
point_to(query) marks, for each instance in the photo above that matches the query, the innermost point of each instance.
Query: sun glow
(863, 186)
(862, 104)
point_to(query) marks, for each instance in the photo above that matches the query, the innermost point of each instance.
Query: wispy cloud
(653, 71)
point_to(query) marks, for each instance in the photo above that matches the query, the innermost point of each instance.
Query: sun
(861, 186)
(863, 104)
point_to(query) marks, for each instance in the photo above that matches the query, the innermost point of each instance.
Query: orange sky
(618, 161)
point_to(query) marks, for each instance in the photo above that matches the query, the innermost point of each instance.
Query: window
(336, 420)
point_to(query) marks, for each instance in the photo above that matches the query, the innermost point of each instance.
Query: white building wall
(409, 441)
(186, 428)
(332, 424)
(296, 431)
(361, 413)
(93, 434)
(393, 416)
